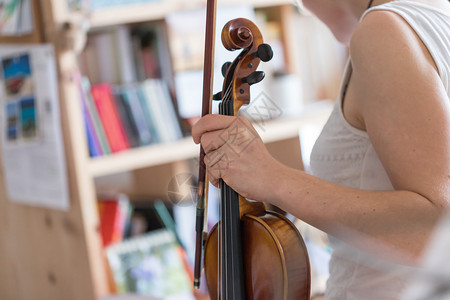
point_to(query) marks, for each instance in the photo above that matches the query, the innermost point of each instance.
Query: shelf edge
(134, 13)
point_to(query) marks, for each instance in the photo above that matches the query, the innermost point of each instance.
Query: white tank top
(345, 155)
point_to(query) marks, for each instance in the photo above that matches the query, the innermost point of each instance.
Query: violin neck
(232, 263)
(232, 283)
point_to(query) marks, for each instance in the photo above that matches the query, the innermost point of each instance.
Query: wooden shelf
(135, 13)
(154, 155)
(143, 157)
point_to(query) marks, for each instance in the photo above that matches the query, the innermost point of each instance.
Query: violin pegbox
(242, 73)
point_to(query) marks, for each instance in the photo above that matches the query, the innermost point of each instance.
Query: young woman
(381, 167)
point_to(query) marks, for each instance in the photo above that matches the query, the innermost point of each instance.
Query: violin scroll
(239, 34)
(242, 73)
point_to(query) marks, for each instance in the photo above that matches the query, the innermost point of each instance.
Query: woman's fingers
(213, 140)
(217, 163)
(210, 123)
(233, 151)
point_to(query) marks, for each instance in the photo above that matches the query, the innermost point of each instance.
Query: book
(16, 17)
(88, 63)
(152, 53)
(160, 111)
(151, 116)
(107, 111)
(145, 130)
(92, 138)
(149, 53)
(137, 57)
(152, 265)
(165, 59)
(168, 108)
(126, 118)
(124, 54)
(148, 215)
(92, 112)
(107, 57)
(114, 213)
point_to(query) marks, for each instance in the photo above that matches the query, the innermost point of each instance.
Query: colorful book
(168, 109)
(107, 110)
(96, 122)
(158, 110)
(126, 118)
(145, 129)
(92, 138)
(114, 214)
(151, 116)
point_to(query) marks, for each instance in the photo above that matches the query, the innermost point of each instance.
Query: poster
(31, 140)
(20, 103)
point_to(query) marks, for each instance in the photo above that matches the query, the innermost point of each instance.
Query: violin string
(224, 226)
(232, 255)
(219, 241)
(221, 248)
(228, 260)
(225, 212)
(227, 92)
(230, 208)
(219, 251)
(227, 218)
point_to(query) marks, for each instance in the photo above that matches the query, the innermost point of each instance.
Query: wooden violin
(251, 253)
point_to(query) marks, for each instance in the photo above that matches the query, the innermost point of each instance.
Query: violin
(251, 253)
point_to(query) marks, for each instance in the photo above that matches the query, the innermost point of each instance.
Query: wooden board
(47, 254)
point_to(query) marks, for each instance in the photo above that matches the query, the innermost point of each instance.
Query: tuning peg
(217, 97)
(225, 68)
(255, 77)
(265, 52)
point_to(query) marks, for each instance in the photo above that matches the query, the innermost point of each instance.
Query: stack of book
(122, 117)
(114, 215)
(145, 255)
(121, 55)
(152, 265)
(127, 100)
(15, 17)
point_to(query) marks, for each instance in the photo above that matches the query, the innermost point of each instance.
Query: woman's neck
(358, 7)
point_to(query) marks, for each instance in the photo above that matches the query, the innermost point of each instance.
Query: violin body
(276, 263)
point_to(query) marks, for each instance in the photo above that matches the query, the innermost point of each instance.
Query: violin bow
(208, 70)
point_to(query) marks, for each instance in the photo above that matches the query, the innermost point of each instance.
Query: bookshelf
(155, 155)
(49, 254)
(158, 10)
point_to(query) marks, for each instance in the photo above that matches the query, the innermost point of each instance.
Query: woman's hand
(236, 153)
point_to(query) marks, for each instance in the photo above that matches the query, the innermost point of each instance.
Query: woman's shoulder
(397, 24)
(385, 38)
(389, 62)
